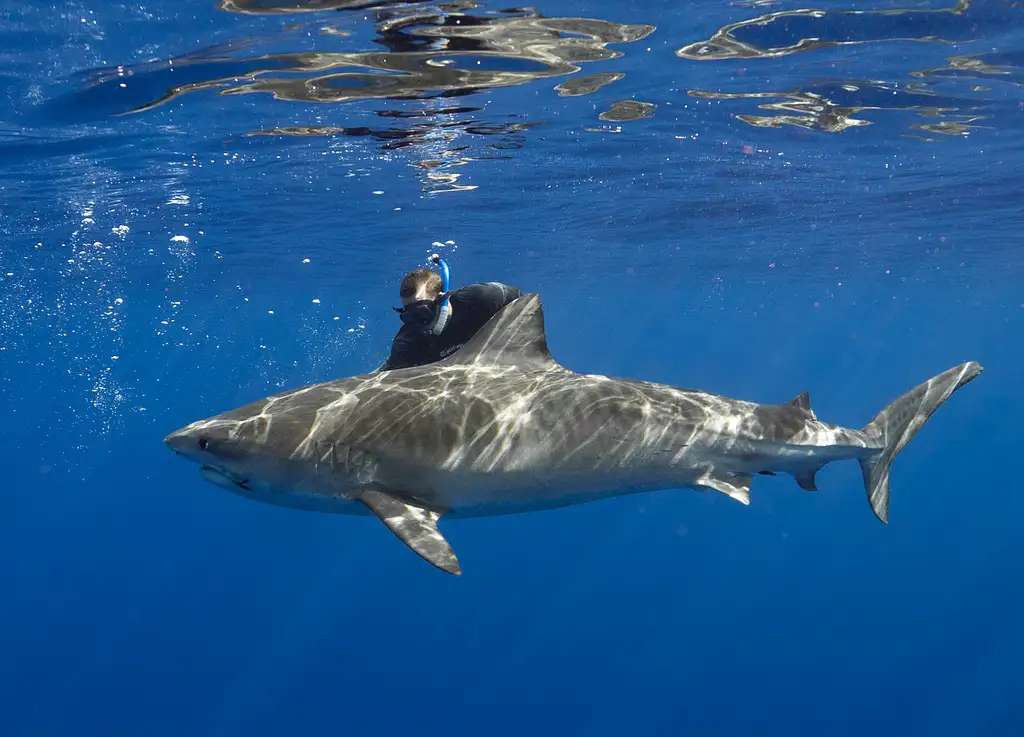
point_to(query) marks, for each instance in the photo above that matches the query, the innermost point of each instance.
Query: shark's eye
(203, 443)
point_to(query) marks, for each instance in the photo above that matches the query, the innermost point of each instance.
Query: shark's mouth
(223, 478)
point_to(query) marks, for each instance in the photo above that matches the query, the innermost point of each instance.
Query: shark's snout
(178, 439)
(188, 441)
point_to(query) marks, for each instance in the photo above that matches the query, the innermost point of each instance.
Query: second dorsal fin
(802, 402)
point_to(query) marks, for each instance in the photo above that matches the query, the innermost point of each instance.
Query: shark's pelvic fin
(735, 485)
(414, 525)
(897, 424)
(515, 336)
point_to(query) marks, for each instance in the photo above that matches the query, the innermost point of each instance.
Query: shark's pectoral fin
(414, 525)
(735, 485)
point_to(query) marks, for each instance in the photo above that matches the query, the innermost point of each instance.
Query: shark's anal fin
(806, 479)
(414, 525)
(735, 485)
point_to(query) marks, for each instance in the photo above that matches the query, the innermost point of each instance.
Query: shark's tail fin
(897, 424)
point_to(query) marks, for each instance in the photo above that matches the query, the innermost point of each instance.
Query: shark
(500, 427)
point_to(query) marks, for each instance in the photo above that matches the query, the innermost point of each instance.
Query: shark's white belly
(495, 493)
(469, 496)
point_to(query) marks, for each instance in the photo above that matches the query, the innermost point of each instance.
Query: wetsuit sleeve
(491, 296)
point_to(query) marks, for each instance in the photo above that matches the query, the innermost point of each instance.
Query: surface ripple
(839, 92)
(424, 60)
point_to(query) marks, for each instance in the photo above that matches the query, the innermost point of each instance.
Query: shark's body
(499, 427)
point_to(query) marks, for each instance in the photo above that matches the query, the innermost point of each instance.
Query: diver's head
(425, 302)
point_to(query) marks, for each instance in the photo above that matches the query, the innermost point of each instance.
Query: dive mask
(421, 313)
(424, 313)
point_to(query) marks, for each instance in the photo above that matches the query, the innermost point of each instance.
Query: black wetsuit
(471, 307)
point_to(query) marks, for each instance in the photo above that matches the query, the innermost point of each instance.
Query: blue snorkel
(445, 278)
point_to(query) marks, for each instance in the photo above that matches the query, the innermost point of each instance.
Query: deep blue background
(693, 247)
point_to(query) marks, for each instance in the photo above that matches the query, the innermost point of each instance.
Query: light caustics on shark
(499, 427)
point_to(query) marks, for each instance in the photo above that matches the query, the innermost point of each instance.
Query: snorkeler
(436, 322)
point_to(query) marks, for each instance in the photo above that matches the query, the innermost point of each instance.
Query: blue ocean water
(203, 203)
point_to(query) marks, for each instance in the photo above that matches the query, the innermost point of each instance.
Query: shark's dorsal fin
(515, 336)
